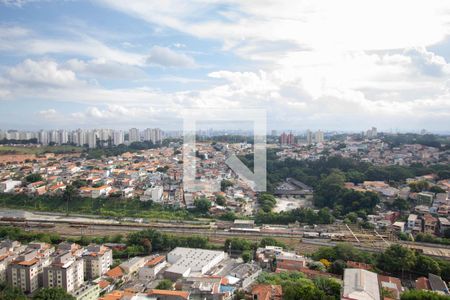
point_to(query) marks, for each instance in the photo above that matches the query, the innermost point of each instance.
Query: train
(324, 235)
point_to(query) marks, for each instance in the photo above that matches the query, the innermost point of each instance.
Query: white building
(9, 185)
(360, 284)
(152, 268)
(153, 194)
(133, 135)
(133, 264)
(97, 261)
(412, 218)
(191, 262)
(92, 139)
(43, 137)
(66, 272)
(319, 136)
(118, 137)
(89, 291)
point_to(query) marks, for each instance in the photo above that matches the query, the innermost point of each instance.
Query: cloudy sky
(332, 65)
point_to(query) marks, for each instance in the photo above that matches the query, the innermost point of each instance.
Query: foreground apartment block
(97, 261)
(25, 272)
(66, 272)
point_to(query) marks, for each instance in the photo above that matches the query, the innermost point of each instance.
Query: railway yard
(304, 239)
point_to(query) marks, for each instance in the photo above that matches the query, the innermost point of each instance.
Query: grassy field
(39, 150)
(106, 207)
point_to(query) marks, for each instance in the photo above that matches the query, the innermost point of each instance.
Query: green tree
(202, 204)
(425, 265)
(401, 204)
(305, 290)
(52, 294)
(224, 184)
(327, 189)
(247, 256)
(329, 286)
(436, 189)
(8, 292)
(269, 241)
(338, 267)
(419, 186)
(317, 265)
(422, 295)
(165, 284)
(266, 202)
(396, 259)
(220, 200)
(34, 177)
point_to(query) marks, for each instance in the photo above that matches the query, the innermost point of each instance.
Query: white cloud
(342, 25)
(103, 68)
(41, 73)
(427, 62)
(48, 114)
(166, 57)
(19, 40)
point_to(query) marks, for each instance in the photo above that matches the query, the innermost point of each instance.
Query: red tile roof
(182, 294)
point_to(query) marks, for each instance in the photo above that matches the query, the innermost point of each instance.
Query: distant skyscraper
(118, 137)
(156, 135)
(133, 135)
(372, 133)
(63, 136)
(287, 139)
(319, 137)
(92, 139)
(309, 136)
(43, 137)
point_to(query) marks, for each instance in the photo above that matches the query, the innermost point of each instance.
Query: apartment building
(24, 272)
(97, 261)
(66, 272)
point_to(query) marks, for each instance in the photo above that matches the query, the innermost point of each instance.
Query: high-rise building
(97, 261)
(148, 134)
(309, 137)
(287, 139)
(156, 135)
(63, 136)
(26, 270)
(92, 139)
(372, 133)
(133, 135)
(66, 272)
(319, 137)
(23, 273)
(43, 137)
(118, 137)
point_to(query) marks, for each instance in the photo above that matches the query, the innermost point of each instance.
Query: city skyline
(317, 65)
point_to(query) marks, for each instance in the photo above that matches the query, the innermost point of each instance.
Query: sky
(333, 65)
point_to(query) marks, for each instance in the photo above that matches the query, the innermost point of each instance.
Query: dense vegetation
(422, 295)
(108, 207)
(311, 172)
(52, 294)
(396, 260)
(296, 286)
(330, 192)
(301, 215)
(430, 140)
(110, 150)
(11, 293)
(8, 292)
(38, 150)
